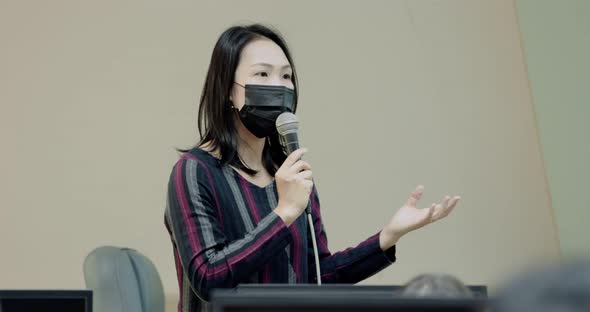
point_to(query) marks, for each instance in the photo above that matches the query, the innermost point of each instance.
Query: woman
(235, 200)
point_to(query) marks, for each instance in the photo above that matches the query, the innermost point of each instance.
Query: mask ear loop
(231, 103)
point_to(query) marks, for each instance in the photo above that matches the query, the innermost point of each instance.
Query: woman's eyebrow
(270, 65)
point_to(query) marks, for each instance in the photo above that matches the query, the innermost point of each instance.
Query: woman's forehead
(263, 52)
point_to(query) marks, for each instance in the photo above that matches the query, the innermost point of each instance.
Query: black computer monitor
(341, 298)
(478, 291)
(46, 300)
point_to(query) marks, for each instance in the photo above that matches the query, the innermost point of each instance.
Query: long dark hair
(216, 120)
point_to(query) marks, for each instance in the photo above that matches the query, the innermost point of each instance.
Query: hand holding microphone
(294, 185)
(294, 177)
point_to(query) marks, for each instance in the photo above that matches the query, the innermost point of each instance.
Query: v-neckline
(237, 174)
(242, 178)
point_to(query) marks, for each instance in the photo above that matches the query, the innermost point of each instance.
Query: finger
(445, 201)
(294, 157)
(440, 207)
(452, 204)
(437, 210)
(308, 185)
(416, 195)
(300, 166)
(429, 214)
(445, 211)
(305, 175)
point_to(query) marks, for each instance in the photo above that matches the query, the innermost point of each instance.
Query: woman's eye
(286, 76)
(262, 74)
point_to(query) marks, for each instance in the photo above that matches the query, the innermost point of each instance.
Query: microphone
(287, 127)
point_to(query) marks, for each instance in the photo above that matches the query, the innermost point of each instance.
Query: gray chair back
(123, 280)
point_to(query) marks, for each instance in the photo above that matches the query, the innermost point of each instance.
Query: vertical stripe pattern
(224, 232)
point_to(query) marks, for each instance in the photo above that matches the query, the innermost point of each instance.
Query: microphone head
(287, 123)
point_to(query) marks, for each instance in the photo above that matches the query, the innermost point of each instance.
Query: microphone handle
(291, 142)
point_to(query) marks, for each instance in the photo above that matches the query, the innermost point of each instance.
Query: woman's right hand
(294, 185)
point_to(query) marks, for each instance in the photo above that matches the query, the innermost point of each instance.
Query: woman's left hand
(409, 218)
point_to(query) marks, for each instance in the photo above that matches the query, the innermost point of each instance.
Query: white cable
(315, 249)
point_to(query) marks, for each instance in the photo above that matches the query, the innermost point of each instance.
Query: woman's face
(262, 62)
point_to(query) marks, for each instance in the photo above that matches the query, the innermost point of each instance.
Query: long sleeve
(351, 265)
(195, 220)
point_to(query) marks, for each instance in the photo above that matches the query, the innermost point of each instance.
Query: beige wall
(557, 44)
(95, 96)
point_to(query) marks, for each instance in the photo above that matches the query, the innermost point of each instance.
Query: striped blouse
(224, 233)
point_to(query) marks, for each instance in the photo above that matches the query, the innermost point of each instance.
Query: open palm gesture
(409, 217)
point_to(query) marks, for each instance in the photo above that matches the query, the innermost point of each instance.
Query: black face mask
(263, 106)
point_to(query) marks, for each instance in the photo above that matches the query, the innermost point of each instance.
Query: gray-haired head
(436, 285)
